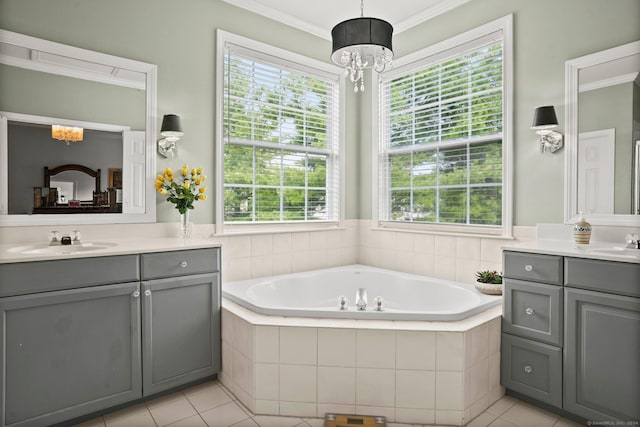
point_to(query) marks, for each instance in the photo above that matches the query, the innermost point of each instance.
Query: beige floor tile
(224, 416)
(502, 423)
(246, 423)
(482, 420)
(194, 421)
(207, 396)
(94, 422)
(315, 422)
(270, 421)
(502, 405)
(137, 415)
(563, 422)
(168, 409)
(524, 415)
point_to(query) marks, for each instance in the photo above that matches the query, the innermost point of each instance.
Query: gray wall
(180, 38)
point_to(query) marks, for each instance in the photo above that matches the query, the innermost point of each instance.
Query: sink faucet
(633, 242)
(361, 299)
(54, 238)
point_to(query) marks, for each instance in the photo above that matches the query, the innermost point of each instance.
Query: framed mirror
(112, 98)
(602, 115)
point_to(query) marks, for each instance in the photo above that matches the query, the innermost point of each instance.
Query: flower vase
(185, 225)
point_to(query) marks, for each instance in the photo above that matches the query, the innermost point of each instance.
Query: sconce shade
(171, 126)
(544, 118)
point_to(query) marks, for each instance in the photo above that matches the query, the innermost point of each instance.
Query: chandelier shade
(67, 134)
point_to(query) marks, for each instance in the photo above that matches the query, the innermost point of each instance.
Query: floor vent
(343, 420)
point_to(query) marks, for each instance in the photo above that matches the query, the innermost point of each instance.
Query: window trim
(287, 57)
(503, 26)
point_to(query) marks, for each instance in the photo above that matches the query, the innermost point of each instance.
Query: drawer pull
(528, 369)
(136, 294)
(147, 293)
(528, 267)
(529, 311)
(183, 264)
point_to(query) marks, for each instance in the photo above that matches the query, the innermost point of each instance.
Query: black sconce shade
(544, 118)
(361, 31)
(171, 126)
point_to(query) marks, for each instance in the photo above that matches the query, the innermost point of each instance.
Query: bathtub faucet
(361, 299)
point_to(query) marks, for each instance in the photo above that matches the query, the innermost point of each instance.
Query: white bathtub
(316, 294)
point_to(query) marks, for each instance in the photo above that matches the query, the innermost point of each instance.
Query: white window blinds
(280, 140)
(441, 154)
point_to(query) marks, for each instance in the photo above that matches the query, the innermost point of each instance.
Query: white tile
(535, 416)
(417, 416)
(445, 245)
(244, 400)
(494, 336)
(298, 383)
(318, 240)
(299, 261)
(371, 238)
(445, 267)
(334, 408)
(453, 418)
(316, 422)
(405, 261)
(243, 375)
(224, 416)
(261, 244)
(267, 344)
(476, 344)
(271, 421)
(496, 393)
(337, 385)
(466, 270)
(298, 409)
(369, 256)
(281, 243)
(239, 269)
(375, 387)
(317, 258)
(499, 422)
(226, 375)
(494, 370)
(415, 389)
(226, 321)
(336, 347)
(450, 351)
(246, 423)
(281, 264)
(206, 396)
(388, 412)
(137, 415)
(476, 382)
(375, 349)
(334, 239)
(243, 336)
(238, 246)
(333, 257)
(478, 407)
(405, 242)
(424, 244)
(299, 345)
(388, 258)
(502, 406)
(170, 408)
(449, 391)
(193, 421)
(424, 264)
(388, 240)
(299, 242)
(267, 407)
(468, 248)
(416, 350)
(482, 420)
(267, 380)
(261, 266)
(491, 250)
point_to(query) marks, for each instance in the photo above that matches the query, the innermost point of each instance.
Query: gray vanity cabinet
(67, 353)
(181, 318)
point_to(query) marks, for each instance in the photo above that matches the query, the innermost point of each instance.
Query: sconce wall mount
(545, 119)
(171, 131)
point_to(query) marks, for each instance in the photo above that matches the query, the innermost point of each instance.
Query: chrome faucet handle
(54, 237)
(632, 241)
(76, 237)
(378, 301)
(361, 299)
(342, 303)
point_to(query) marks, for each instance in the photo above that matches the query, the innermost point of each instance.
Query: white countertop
(16, 252)
(596, 250)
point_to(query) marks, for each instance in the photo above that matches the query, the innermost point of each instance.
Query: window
(281, 138)
(442, 157)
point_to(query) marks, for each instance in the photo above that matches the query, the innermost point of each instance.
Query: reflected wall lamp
(362, 43)
(171, 131)
(67, 134)
(544, 119)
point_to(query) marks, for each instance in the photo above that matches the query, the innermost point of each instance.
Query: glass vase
(185, 225)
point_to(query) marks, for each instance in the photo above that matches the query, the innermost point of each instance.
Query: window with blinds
(442, 131)
(280, 140)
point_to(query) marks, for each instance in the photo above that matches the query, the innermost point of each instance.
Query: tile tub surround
(410, 372)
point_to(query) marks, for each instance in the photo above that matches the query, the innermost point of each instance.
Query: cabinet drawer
(608, 276)
(534, 267)
(532, 368)
(180, 263)
(533, 310)
(41, 276)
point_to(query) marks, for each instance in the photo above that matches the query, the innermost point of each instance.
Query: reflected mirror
(602, 177)
(111, 98)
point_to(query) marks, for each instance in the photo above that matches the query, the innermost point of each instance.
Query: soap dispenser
(582, 231)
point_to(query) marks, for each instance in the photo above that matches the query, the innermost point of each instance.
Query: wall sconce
(544, 119)
(171, 131)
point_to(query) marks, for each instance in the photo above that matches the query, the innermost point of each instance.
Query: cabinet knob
(183, 264)
(529, 310)
(528, 267)
(528, 369)
(147, 293)
(136, 294)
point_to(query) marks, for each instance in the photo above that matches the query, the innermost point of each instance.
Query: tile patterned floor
(212, 405)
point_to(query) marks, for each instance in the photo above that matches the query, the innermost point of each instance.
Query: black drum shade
(370, 32)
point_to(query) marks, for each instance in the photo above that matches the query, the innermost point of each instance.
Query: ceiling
(319, 17)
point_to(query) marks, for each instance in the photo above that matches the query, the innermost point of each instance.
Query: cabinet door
(69, 353)
(181, 331)
(602, 350)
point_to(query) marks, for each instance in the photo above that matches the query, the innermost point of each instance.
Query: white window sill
(252, 229)
(498, 233)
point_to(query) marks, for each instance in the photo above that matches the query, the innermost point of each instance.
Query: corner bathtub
(316, 293)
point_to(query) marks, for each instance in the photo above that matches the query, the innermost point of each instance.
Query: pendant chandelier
(67, 134)
(362, 43)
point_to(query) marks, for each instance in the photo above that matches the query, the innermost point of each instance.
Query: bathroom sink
(616, 250)
(45, 249)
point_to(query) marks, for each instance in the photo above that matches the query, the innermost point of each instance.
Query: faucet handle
(631, 238)
(54, 237)
(76, 236)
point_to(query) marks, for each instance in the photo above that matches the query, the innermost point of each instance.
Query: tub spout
(361, 299)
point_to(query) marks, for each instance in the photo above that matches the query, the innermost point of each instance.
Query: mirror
(112, 98)
(602, 167)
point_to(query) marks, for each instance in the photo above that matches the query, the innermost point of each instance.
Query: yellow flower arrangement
(182, 192)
